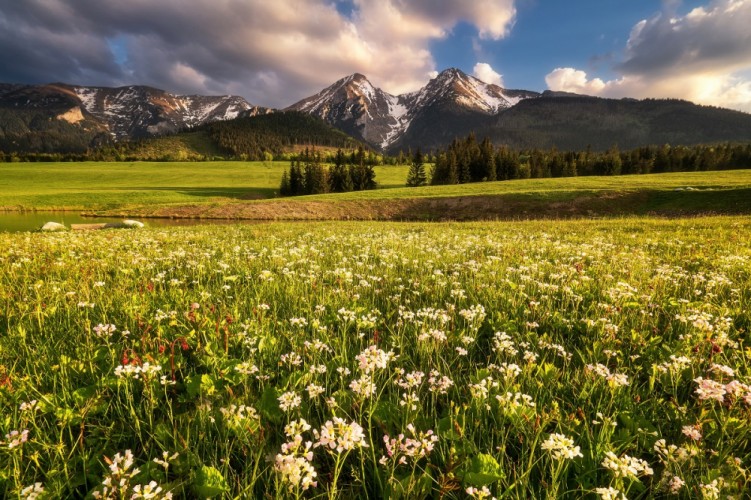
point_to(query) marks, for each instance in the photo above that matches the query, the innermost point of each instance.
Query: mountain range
(451, 105)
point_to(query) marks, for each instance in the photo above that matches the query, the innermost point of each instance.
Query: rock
(53, 227)
(132, 224)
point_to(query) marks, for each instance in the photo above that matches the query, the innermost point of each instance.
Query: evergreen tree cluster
(467, 160)
(254, 137)
(308, 174)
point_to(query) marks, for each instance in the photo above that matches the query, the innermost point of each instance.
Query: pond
(15, 222)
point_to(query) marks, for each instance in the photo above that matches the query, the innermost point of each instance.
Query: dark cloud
(717, 36)
(271, 52)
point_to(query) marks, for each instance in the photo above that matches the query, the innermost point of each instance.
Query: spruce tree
(416, 175)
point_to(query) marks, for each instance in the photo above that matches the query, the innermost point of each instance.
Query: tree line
(308, 174)
(467, 160)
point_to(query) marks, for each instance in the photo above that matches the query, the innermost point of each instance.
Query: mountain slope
(250, 138)
(454, 104)
(448, 105)
(355, 106)
(576, 122)
(60, 117)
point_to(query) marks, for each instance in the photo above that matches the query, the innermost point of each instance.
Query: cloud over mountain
(703, 56)
(268, 52)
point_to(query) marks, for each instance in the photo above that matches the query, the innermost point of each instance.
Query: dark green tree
(416, 175)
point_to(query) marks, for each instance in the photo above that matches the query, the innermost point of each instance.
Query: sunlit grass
(525, 360)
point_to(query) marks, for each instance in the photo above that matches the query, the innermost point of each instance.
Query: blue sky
(586, 34)
(274, 53)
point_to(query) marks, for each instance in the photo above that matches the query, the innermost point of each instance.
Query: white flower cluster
(439, 384)
(289, 401)
(614, 379)
(610, 493)
(15, 438)
(240, 416)
(32, 492)
(561, 447)
(402, 448)
(105, 330)
(294, 462)
(674, 365)
(373, 358)
(711, 389)
(626, 466)
(137, 371)
(340, 436)
(117, 483)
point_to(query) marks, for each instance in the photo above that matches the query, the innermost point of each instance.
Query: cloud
(487, 74)
(273, 53)
(703, 56)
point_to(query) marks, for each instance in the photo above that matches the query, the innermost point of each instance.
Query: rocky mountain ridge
(354, 105)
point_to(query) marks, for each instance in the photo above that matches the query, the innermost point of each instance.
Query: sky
(275, 53)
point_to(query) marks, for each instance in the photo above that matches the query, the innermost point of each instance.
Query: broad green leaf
(209, 483)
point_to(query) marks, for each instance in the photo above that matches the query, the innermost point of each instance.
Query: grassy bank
(679, 194)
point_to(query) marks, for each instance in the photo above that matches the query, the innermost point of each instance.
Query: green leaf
(209, 483)
(482, 471)
(268, 406)
(387, 414)
(411, 486)
(82, 395)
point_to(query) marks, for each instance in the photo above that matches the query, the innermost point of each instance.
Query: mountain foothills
(59, 117)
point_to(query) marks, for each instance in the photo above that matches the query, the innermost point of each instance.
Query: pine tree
(284, 185)
(416, 175)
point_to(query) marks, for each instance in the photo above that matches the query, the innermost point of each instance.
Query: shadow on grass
(602, 204)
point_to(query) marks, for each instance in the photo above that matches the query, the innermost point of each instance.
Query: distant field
(111, 185)
(247, 190)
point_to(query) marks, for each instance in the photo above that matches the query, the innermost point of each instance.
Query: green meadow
(103, 185)
(145, 186)
(544, 359)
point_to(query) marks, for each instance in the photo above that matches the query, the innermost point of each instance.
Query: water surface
(31, 221)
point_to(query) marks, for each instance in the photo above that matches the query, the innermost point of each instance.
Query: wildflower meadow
(582, 359)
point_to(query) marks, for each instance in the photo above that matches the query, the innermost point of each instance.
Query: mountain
(34, 117)
(355, 106)
(454, 104)
(67, 118)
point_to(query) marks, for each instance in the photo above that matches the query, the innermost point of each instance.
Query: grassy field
(223, 189)
(348, 360)
(98, 186)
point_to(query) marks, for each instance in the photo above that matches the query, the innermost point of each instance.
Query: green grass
(142, 188)
(98, 186)
(565, 188)
(460, 350)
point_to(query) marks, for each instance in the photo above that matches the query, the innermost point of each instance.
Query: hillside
(251, 138)
(574, 122)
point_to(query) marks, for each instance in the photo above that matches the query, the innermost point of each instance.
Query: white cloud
(703, 56)
(487, 74)
(273, 53)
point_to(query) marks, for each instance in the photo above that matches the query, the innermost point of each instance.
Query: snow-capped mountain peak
(354, 105)
(137, 111)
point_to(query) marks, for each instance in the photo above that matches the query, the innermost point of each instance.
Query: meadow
(108, 185)
(600, 359)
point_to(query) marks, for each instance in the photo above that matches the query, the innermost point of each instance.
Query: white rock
(133, 224)
(53, 226)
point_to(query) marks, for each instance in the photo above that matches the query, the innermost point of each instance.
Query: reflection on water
(31, 221)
